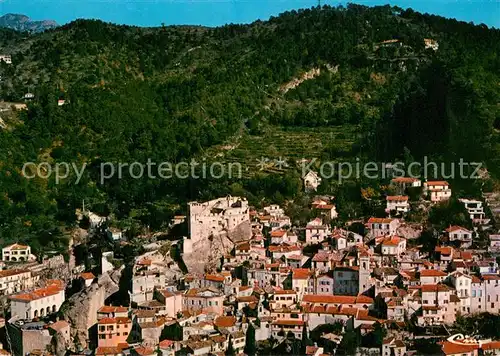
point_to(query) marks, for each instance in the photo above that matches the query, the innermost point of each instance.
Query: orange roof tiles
(444, 250)
(405, 180)
(392, 241)
(144, 351)
(432, 273)
(12, 272)
(493, 345)
(434, 288)
(17, 247)
(380, 220)
(325, 206)
(145, 262)
(247, 299)
(289, 322)
(336, 299)
(225, 321)
(278, 233)
(108, 351)
(37, 294)
(437, 183)
(165, 344)
(58, 325)
(456, 228)
(87, 275)
(111, 309)
(451, 348)
(301, 273)
(214, 278)
(397, 198)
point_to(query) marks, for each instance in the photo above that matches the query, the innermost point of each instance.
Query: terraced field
(279, 149)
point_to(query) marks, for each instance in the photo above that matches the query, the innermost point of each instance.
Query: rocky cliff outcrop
(81, 309)
(207, 253)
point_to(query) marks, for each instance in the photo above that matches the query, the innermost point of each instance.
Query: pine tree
(250, 347)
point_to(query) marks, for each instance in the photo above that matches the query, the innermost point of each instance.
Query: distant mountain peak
(21, 22)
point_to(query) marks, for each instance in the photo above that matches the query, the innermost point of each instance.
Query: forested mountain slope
(172, 93)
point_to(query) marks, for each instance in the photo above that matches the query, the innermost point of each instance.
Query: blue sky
(219, 12)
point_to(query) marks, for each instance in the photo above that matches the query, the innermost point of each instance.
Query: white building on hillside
(311, 181)
(16, 280)
(39, 302)
(17, 253)
(214, 218)
(475, 210)
(398, 203)
(438, 190)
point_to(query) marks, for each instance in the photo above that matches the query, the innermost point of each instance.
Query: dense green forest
(172, 93)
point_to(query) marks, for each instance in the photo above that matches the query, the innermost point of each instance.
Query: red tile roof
(225, 321)
(214, 278)
(380, 220)
(165, 344)
(289, 322)
(325, 206)
(392, 241)
(434, 288)
(87, 275)
(437, 183)
(405, 180)
(278, 233)
(12, 272)
(494, 345)
(451, 348)
(17, 247)
(108, 351)
(336, 299)
(397, 198)
(145, 262)
(111, 309)
(37, 293)
(456, 228)
(301, 273)
(432, 273)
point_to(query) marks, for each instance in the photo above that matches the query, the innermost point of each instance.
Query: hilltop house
(438, 191)
(311, 181)
(382, 226)
(461, 234)
(397, 203)
(17, 253)
(475, 210)
(316, 231)
(431, 44)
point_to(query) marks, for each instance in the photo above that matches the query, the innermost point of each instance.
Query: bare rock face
(81, 311)
(207, 253)
(409, 232)
(59, 345)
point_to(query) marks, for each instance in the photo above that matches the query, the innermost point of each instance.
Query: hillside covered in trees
(175, 93)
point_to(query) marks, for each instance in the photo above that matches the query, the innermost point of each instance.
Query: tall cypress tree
(250, 347)
(230, 348)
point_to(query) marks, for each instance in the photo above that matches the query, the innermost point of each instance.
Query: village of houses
(269, 282)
